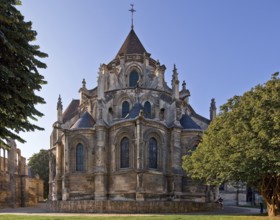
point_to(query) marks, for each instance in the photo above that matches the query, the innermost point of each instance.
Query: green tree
(39, 164)
(19, 76)
(243, 144)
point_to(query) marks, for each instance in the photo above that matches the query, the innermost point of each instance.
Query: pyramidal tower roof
(131, 45)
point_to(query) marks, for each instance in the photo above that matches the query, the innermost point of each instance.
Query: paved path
(41, 209)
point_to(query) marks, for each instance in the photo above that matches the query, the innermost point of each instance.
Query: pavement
(41, 209)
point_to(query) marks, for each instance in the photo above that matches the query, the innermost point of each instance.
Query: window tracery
(153, 151)
(80, 157)
(124, 153)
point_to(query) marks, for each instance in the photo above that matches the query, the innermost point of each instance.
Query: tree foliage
(243, 143)
(19, 76)
(39, 164)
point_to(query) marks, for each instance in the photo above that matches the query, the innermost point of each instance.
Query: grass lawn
(155, 217)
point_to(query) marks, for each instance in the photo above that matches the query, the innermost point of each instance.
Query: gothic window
(125, 109)
(80, 157)
(153, 153)
(148, 109)
(124, 153)
(133, 78)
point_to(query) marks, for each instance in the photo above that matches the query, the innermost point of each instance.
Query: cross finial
(132, 11)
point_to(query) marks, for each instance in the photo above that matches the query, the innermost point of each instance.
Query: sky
(221, 48)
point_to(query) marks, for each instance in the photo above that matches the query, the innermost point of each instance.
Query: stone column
(65, 168)
(50, 176)
(11, 170)
(139, 144)
(100, 171)
(58, 171)
(176, 155)
(139, 157)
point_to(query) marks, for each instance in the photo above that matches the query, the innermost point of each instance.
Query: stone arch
(133, 67)
(147, 97)
(120, 135)
(75, 141)
(122, 97)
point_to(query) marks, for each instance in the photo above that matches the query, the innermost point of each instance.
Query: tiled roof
(135, 111)
(187, 122)
(71, 110)
(131, 45)
(85, 121)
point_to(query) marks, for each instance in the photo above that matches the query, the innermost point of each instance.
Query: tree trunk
(270, 190)
(271, 210)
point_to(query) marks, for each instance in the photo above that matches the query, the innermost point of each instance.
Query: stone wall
(16, 188)
(94, 206)
(34, 191)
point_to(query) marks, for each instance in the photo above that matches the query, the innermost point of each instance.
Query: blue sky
(221, 48)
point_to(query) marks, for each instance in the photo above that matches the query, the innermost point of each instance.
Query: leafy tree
(19, 76)
(243, 144)
(39, 164)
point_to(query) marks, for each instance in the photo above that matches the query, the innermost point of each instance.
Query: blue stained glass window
(124, 153)
(80, 157)
(133, 78)
(153, 153)
(148, 109)
(125, 109)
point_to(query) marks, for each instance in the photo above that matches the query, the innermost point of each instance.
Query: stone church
(124, 139)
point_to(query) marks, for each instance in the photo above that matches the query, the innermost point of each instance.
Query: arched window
(148, 109)
(153, 153)
(125, 109)
(80, 157)
(133, 78)
(124, 153)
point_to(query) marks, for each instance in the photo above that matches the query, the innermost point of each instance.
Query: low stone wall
(93, 206)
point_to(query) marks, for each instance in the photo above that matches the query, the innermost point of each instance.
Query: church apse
(124, 140)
